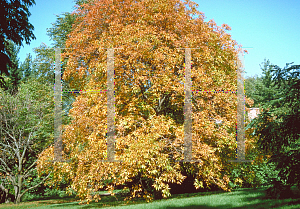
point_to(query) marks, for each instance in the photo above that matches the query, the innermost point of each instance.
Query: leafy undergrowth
(240, 198)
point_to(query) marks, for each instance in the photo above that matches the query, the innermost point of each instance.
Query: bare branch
(29, 173)
(4, 149)
(3, 171)
(28, 169)
(5, 165)
(23, 154)
(2, 187)
(12, 179)
(36, 184)
(15, 142)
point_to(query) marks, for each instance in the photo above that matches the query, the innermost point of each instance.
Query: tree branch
(2, 187)
(36, 185)
(28, 169)
(5, 165)
(4, 171)
(12, 179)
(8, 141)
(161, 100)
(143, 90)
(5, 150)
(23, 154)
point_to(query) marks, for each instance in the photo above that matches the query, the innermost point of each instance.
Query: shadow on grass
(251, 198)
(261, 205)
(56, 197)
(268, 202)
(42, 202)
(248, 199)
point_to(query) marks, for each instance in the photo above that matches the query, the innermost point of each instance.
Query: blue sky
(270, 27)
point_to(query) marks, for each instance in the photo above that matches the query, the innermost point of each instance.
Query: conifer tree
(15, 73)
(26, 67)
(278, 125)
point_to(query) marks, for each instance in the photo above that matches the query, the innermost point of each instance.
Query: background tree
(27, 67)
(25, 130)
(259, 172)
(15, 27)
(61, 28)
(262, 89)
(41, 70)
(277, 128)
(264, 94)
(251, 84)
(149, 78)
(43, 66)
(15, 74)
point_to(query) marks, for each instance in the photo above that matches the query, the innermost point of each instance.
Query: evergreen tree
(278, 125)
(15, 73)
(14, 26)
(261, 89)
(61, 28)
(26, 67)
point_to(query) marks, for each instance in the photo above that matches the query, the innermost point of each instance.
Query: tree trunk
(18, 199)
(18, 189)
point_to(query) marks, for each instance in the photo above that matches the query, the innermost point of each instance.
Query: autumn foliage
(149, 98)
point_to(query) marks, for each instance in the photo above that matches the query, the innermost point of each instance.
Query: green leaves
(277, 127)
(61, 28)
(14, 27)
(24, 127)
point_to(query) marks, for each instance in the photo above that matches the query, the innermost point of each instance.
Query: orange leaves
(226, 27)
(149, 96)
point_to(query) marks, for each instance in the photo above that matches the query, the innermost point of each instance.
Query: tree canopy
(26, 129)
(277, 126)
(262, 89)
(15, 72)
(149, 92)
(14, 26)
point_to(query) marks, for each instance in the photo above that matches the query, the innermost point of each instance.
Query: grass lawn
(240, 198)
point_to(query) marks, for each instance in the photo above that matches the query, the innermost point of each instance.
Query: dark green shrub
(278, 189)
(249, 175)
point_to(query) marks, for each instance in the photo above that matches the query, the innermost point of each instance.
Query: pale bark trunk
(18, 199)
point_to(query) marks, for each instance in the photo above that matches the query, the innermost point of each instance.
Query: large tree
(25, 130)
(264, 94)
(14, 26)
(149, 91)
(277, 127)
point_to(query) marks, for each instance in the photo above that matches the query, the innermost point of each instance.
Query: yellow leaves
(198, 184)
(238, 181)
(153, 171)
(149, 54)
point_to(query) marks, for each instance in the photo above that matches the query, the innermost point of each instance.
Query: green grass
(241, 198)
